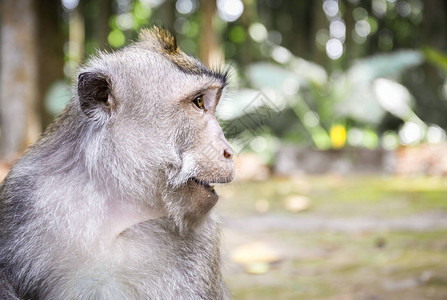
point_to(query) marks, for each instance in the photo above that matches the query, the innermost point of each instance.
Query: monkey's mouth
(205, 184)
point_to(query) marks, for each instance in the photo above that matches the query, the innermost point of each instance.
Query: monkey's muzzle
(205, 185)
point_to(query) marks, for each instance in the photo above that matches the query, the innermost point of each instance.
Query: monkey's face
(158, 107)
(174, 130)
(206, 156)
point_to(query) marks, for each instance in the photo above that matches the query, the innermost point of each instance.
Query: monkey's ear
(94, 94)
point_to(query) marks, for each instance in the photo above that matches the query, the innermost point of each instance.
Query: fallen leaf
(297, 203)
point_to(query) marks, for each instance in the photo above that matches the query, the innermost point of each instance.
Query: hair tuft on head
(161, 37)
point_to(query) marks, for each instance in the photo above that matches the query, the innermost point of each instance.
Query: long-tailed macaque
(115, 199)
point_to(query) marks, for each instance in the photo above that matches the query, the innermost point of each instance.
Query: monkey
(116, 198)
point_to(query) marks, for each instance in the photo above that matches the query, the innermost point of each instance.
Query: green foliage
(116, 38)
(280, 48)
(320, 101)
(436, 57)
(237, 34)
(142, 14)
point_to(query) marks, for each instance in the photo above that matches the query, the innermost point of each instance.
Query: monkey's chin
(203, 185)
(201, 198)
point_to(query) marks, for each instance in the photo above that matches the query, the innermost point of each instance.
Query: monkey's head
(152, 109)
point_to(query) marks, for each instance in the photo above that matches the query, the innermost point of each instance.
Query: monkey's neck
(121, 214)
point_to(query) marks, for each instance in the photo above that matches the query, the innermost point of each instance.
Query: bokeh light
(334, 49)
(116, 38)
(124, 21)
(230, 10)
(186, 6)
(258, 32)
(338, 29)
(379, 8)
(330, 7)
(435, 134)
(362, 28)
(281, 54)
(70, 4)
(411, 133)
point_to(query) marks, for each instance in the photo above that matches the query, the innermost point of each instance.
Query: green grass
(339, 196)
(329, 265)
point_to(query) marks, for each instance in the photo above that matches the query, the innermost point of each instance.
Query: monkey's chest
(152, 263)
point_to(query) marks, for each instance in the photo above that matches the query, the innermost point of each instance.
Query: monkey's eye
(198, 101)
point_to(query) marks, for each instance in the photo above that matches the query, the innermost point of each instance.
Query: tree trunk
(76, 36)
(164, 15)
(319, 22)
(431, 106)
(19, 119)
(51, 51)
(102, 23)
(169, 14)
(209, 51)
(434, 24)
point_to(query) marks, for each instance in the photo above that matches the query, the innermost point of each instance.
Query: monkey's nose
(228, 153)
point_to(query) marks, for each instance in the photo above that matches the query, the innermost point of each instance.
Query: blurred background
(336, 111)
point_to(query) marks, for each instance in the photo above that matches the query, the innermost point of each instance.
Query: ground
(366, 237)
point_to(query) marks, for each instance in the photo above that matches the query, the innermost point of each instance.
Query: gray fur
(6, 289)
(103, 206)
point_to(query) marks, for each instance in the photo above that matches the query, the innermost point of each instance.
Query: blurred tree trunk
(102, 23)
(298, 38)
(435, 24)
(19, 118)
(76, 36)
(169, 14)
(431, 106)
(164, 15)
(299, 31)
(247, 18)
(209, 51)
(319, 22)
(50, 50)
